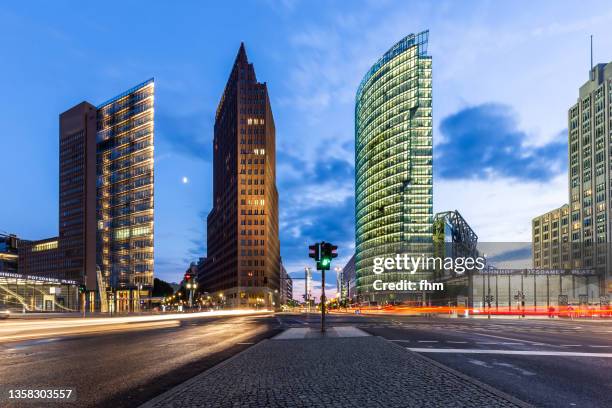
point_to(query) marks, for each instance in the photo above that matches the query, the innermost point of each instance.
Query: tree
(162, 288)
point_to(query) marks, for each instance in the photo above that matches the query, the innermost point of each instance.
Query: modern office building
(77, 194)
(590, 165)
(105, 202)
(125, 247)
(243, 249)
(393, 163)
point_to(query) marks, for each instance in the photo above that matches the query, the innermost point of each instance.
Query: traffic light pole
(323, 301)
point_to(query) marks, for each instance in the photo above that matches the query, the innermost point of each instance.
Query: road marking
(571, 345)
(428, 341)
(457, 342)
(520, 370)
(511, 352)
(401, 341)
(510, 338)
(513, 344)
(600, 346)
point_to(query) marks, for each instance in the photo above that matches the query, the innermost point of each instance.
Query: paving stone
(330, 372)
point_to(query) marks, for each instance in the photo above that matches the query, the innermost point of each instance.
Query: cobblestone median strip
(331, 372)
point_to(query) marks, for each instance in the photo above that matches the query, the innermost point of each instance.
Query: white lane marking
(428, 341)
(511, 352)
(401, 341)
(488, 343)
(479, 363)
(512, 366)
(512, 344)
(456, 342)
(599, 346)
(511, 339)
(571, 345)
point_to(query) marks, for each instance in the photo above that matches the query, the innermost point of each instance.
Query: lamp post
(191, 288)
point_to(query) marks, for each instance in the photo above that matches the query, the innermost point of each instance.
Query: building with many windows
(9, 257)
(393, 163)
(551, 237)
(125, 247)
(583, 227)
(286, 286)
(243, 249)
(105, 201)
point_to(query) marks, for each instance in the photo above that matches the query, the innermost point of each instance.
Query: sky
(504, 76)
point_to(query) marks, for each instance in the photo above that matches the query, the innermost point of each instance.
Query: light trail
(18, 330)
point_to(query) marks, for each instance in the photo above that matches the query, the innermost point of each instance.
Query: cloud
(501, 209)
(316, 204)
(484, 141)
(187, 134)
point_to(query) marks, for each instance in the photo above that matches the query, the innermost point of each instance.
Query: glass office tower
(393, 164)
(125, 194)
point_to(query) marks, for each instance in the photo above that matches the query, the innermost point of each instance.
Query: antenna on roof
(591, 51)
(591, 73)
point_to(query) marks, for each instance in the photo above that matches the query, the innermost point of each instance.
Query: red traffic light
(314, 252)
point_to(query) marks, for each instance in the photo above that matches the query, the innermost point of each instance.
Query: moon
(185, 180)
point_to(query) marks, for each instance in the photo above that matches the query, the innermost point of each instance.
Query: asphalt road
(546, 363)
(127, 365)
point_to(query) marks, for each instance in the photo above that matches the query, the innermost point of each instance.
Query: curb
(465, 377)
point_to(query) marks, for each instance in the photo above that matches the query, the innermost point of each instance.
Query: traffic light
(314, 252)
(327, 251)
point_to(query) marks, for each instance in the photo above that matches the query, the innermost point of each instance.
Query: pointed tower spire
(242, 56)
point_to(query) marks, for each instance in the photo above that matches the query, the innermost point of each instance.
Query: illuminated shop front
(38, 293)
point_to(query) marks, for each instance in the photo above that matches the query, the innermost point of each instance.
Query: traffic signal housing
(314, 251)
(326, 251)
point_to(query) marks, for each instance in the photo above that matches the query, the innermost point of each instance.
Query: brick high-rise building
(242, 268)
(77, 193)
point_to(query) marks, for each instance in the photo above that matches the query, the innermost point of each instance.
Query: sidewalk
(346, 368)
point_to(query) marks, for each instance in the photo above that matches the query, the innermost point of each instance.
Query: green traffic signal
(325, 261)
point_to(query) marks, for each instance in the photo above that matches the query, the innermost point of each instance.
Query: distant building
(41, 258)
(9, 257)
(243, 248)
(393, 164)
(286, 291)
(453, 238)
(349, 278)
(551, 239)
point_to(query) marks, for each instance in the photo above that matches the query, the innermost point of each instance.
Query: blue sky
(504, 77)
